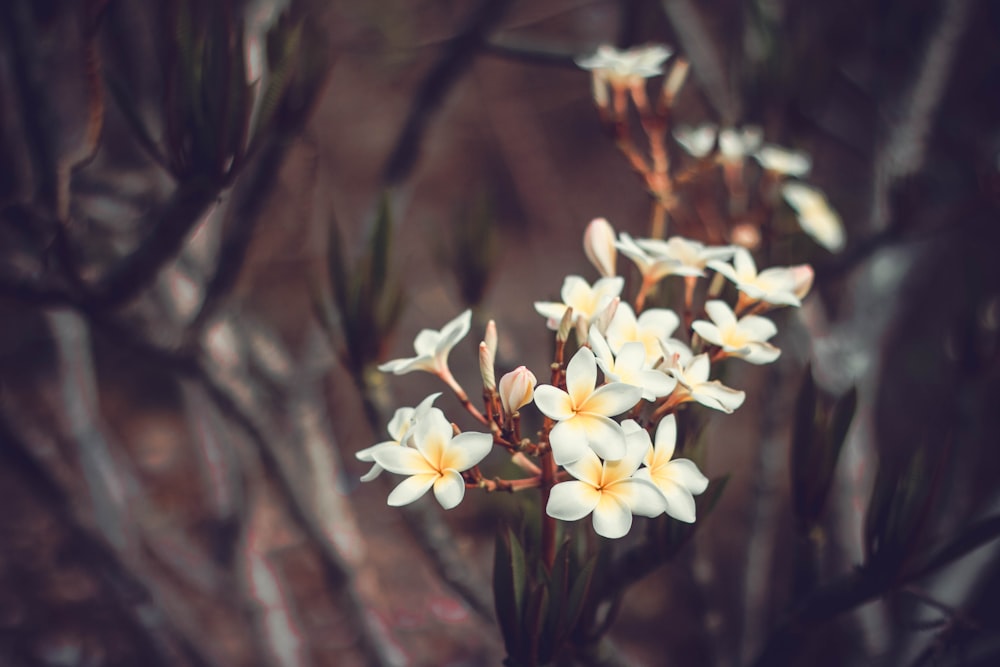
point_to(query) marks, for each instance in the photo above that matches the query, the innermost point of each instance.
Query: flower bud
(599, 246)
(490, 338)
(565, 326)
(603, 318)
(486, 367)
(517, 388)
(802, 275)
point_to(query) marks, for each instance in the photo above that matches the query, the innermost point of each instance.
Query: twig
(456, 58)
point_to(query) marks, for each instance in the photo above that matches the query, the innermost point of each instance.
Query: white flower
(679, 481)
(693, 383)
(777, 285)
(608, 489)
(599, 246)
(652, 327)
(697, 141)
(641, 62)
(399, 428)
(586, 301)
(517, 389)
(652, 267)
(436, 460)
(735, 145)
(432, 348)
(815, 215)
(584, 413)
(783, 161)
(689, 257)
(745, 338)
(631, 367)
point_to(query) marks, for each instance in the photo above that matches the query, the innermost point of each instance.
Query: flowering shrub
(621, 370)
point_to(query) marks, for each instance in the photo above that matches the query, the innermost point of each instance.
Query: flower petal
(411, 488)
(466, 450)
(679, 501)
(611, 399)
(568, 440)
(612, 517)
(588, 468)
(554, 402)
(431, 435)
(453, 332)
(402, 461)
(716, 395)
(551, 311)
(758, 328)
(601, 434)
(569, 501)
(581, 376)
(686, 473)
(375, 471)
(761, 353)
(665, 441)
(708, 332)
(721, 313)
(641, 496)
(449, 489)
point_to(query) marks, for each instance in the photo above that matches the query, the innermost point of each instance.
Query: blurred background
(215, 218)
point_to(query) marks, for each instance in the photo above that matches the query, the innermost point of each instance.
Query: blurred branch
(533, 53)
(160, 643)
(706, 56)
(455, 59)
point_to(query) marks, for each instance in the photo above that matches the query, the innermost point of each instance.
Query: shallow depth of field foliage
(230, 230)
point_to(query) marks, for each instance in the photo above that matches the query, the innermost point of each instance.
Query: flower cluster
(632, 370)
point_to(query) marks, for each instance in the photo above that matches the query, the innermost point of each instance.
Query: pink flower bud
(517, 389)
(486, 367)
(803, 276)
(599, 246)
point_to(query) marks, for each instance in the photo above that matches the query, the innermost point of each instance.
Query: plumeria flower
(689, 257)
(776, 285)
(599, 246)
(586, 301)
(399, 428)
(608, 490)
(432, 348)
(622, 69)
(436, 460)
(630, 366)
(815, 215)
(678, 480)
(693, 383)
(697, 141)
(745, 338)
(735, 145)
(584, 413)
(517, 389)
(652, 327)
(641, 62)
(652, 267)
(783, 161)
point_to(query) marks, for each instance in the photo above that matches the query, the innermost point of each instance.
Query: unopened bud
(490, 338)
(599, 246)
(486, 367)
(517, 388)
(802, 275)
(603, 319)
(565, 326)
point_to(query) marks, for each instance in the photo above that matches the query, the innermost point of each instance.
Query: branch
(454, 60)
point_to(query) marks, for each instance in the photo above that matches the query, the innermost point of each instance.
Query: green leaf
(578, 597)
(508, 590)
